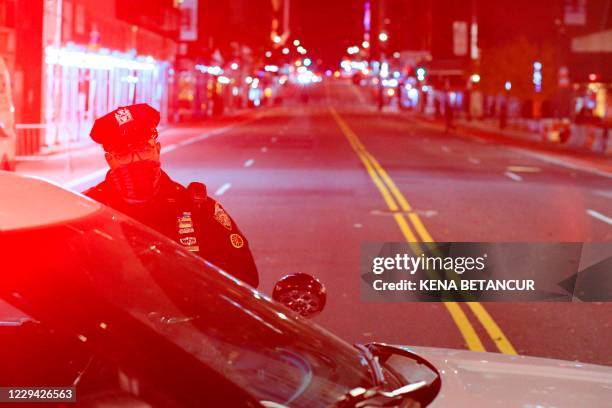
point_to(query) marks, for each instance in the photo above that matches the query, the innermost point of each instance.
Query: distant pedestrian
(448, 113)
(437, 107)
(503, 113)
(399, 88)
(606, 137)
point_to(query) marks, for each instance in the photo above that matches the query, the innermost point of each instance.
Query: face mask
(137, 182)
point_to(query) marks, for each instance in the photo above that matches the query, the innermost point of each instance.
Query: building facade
(80, 59)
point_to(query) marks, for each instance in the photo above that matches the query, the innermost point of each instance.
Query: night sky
(327, 27)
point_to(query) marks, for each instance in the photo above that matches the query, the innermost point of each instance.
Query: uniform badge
(188, 241)
(184, 221)
(186, 217)
(236, 240)
(123, 116)
(222, 217)
(184, 224)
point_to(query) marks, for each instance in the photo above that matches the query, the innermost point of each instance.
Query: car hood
(472, 379)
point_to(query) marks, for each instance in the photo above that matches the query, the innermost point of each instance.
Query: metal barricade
(30, 138)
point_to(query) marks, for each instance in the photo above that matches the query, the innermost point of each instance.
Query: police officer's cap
(125, 127)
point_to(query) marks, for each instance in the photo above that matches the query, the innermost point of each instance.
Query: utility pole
(286, 16)
(474, 54)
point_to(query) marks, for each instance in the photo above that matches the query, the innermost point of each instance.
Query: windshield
(112, 267)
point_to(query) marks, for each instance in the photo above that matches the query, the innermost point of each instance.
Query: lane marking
(445, 149)
(599, 216)
(388, 186)
(382, 188)
(498, 337)
(405, 228)
(465, 327)
(424, 213)
(523, 169)
(221, 190)
(249, 163)
(414, 217)
(561, 163)
(513, 176)
(194, 140)
(473, 160)
(169, 148)
(540, 156)
(603, 193)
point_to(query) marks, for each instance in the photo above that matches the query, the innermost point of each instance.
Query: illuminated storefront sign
(81, 85)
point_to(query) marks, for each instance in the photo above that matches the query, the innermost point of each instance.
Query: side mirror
(301, 293)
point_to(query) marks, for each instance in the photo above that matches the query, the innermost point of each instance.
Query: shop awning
(598, 42)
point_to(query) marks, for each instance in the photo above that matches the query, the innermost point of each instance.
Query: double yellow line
(414, 231)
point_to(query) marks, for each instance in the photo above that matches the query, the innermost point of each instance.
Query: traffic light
(421, 73)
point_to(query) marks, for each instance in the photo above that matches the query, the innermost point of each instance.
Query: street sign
(564, 80)
(575, 12)
(460, 38)
(189, 20)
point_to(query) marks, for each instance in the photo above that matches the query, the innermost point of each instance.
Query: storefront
(80, 86)
(591, 74)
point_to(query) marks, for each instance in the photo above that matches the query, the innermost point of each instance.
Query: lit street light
(352, 50)
(421, 72)
(383, 37)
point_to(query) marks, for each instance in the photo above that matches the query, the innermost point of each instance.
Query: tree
(514, 63)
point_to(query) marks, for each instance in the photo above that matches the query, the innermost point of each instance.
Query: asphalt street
(309, 183)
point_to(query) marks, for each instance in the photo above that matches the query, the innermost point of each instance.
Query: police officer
(136, 186)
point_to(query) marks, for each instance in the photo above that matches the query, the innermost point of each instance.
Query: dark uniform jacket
(201, 226)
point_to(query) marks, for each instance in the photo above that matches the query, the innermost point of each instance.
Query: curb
(526, 139)
(77, 148)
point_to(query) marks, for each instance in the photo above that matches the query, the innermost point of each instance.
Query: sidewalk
(567, 153)
(80, 166)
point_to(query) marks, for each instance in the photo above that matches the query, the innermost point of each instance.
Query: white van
(7, 120)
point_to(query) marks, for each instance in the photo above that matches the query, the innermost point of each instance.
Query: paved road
(296, 179)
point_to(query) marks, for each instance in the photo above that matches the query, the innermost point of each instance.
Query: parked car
(92, 299)
(7, 120)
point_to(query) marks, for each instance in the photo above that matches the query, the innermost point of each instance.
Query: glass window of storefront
(81, 85)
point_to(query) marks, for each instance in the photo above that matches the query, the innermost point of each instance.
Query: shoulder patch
(222, 218)
(237, 241)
